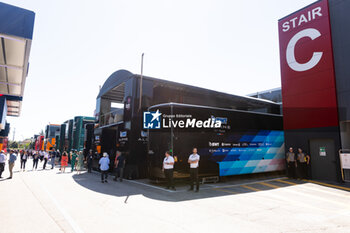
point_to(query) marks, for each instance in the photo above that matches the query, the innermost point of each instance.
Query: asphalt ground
(50, 201)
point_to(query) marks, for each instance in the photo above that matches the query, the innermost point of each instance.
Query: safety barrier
(344, 155)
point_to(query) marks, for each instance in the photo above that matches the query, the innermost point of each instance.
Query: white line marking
(247, 183)
(205, 188)
(70, 220)
(151, 186)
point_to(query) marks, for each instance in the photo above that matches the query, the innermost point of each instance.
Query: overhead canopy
(113, 90)
(16, 32)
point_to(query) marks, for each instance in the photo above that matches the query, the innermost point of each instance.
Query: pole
(172, 131)
(14, 133)
(141, 77)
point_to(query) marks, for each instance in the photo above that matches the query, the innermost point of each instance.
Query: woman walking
(64, 161)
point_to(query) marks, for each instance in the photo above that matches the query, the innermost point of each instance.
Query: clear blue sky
(229, 46)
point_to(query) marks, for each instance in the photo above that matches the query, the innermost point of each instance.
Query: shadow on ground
(229, 186)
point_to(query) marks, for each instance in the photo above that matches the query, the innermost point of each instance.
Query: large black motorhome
(230, 142)
(119, 112)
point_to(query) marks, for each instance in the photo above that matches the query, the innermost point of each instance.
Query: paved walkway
(48, 201)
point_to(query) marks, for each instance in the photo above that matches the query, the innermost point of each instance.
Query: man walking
(23, 156)
(119, 164)
(168, 168)
(53, 157)
(104, 166)
(2, 162)
(35, 159)
(193, 160)
(12, 159)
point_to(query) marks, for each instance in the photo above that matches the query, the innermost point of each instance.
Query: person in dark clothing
(89, 159)
(193, 160)
(53, 158)
(308, 166)
(168, 169)
(35, 159)
(119, 164)
(23, 157)
(58, 155)
(46, 157)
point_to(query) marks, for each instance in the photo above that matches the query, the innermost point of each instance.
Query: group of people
(76, 161)
(119, 164)
(24, 155)
(168, 169)
(11, 162)
(297, 164)
(46, 157)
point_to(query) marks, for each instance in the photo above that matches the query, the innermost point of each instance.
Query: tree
(13, 144)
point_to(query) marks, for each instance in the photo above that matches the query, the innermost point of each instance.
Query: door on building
(323, 162)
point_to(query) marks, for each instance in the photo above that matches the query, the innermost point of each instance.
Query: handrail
(111, 117)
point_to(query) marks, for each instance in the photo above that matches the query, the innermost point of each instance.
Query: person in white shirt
(193, 160)
(104, 166)
(2, 162)
(168, 169)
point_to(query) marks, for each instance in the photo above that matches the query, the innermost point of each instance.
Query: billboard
(248, 152)
(307, 69)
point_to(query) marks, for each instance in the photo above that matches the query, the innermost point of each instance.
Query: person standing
(291, 163)
(2, 162)
(168, 169)
(53, 158)
(73, 160)
(308, 167)
(89, 159)
(24, 157)
(35, 159)
(104, 166)
(119, 164)
(58, 155)
(41, 155)
(301, 164)
(64, 161)
(12, 159)
(46, 157)
(80, 162)
(193, 160)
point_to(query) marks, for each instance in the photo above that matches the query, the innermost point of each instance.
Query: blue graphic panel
(255, 152)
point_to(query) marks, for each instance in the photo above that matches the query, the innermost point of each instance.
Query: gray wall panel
(340, 26)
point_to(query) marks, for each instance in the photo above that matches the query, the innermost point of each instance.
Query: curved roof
(113, 80)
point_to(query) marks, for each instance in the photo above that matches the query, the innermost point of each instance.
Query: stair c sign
(290, 53)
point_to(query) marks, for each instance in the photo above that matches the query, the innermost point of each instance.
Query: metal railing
(112, 117)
